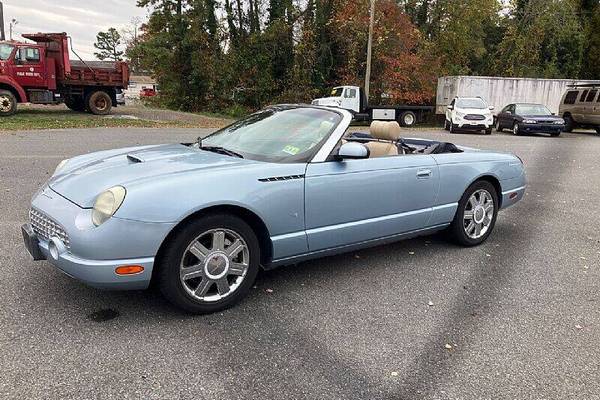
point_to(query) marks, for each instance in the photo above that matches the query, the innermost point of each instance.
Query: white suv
(469, 113)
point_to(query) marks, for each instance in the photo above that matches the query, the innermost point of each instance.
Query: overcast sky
(82, 19)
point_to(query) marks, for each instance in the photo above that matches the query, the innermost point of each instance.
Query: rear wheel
(99, 103)
(569, 123)
(408, 119)
(476, 215)
(210, 264)
(8, 103)
(75, 104)
(498, 126)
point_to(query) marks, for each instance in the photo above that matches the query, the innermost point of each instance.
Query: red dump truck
(42, 73)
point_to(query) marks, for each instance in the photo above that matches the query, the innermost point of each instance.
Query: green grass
(31, 119)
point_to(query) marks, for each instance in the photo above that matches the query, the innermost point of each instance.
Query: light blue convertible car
(286, 184)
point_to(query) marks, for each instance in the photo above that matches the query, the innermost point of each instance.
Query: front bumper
(476, 125)
(96, 273)
(93, 253)
(542, 128)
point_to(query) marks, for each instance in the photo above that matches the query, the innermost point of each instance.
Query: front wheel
(569, 123)
(8, 103)
(210, 264)
(598, 130)
(488, 131)
(446, 125)
(476, 214)
(516, 130)
(452, 127)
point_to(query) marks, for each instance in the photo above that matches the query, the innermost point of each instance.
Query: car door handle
(424, 173)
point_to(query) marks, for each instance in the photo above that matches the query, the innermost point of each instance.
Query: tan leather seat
(388, 131)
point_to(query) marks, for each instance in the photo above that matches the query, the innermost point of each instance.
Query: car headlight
(460, 115)
(60, 166)
(559, 122)
(530, 121)
(107, 204)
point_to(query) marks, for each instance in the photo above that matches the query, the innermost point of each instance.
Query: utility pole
(12, 24)
(2, 34)
(369, 51)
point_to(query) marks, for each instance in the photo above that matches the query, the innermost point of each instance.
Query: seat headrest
(385, 130)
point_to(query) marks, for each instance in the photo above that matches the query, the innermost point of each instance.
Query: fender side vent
(134, 159)
(281, 178)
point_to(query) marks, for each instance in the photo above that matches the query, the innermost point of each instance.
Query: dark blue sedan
(523, 118)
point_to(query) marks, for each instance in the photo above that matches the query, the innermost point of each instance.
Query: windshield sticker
(292, 150)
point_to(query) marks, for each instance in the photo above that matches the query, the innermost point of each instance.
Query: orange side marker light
(129, 269)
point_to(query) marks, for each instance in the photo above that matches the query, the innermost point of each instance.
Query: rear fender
(9, 83)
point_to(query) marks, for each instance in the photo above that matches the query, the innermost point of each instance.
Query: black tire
(408, 119)
(569, 123)
(488, 131)
(598, 130)
(8, 103)
(98, 102)
(555, 134)
(446, 125)
(499, 126)
(168, 275)
(75, 103)
(457, 230)
(516, 129)
(452, 128)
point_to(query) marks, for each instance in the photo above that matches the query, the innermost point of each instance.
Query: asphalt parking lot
(516, 318)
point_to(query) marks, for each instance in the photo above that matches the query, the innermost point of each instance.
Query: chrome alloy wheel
(479, 213)
(5, 104)
(214, 265)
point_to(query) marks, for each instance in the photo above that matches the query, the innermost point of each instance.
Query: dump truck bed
(98, 73)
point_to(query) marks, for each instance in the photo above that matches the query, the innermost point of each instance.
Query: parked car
(580, 107)
(120, 97)
(469, 113)
(529, 118)
(286, 184)
(147, 92)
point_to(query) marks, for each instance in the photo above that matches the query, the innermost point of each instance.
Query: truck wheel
(75, 104)
(8, 103)
(569, 123)
(408, 119)
(99, 103)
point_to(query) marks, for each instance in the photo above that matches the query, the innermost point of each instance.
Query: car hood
(84, 178)
(478, 111)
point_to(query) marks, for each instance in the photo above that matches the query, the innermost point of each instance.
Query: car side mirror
(492, 108)
(553, 113)
(353, 151)
(450, 108)
(508, 112)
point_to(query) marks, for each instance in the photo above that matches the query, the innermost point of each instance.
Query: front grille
(474, 117)
(45, 228)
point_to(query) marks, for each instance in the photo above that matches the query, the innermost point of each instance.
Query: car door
(589, 107)
(29, 68)
(353, 201)
(505, 117)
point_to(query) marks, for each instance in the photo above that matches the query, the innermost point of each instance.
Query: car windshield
(5, 51)
(532, 109)
(277, 134)
(337, 92)
(471, 103)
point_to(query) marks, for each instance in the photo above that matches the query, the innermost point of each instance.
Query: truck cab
(351, 98)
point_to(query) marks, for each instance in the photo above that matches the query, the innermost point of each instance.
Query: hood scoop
(135, 159)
